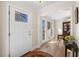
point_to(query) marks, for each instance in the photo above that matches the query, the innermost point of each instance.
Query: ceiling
(61, 11)
(38, 5)
(58, 14)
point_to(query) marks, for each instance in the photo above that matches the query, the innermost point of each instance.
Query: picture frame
(48, 25)
(76, 15)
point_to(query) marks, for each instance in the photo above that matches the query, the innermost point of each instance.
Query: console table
(73, 47)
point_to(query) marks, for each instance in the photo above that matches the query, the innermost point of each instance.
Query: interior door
(20, 32)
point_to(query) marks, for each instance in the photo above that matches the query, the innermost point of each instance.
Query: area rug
(37, 54)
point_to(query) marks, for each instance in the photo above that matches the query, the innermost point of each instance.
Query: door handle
(29, 33)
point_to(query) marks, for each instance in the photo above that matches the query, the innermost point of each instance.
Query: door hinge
(9, 34)
(9, 12)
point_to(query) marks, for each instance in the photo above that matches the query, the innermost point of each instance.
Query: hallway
(54, 48)
(32, 26)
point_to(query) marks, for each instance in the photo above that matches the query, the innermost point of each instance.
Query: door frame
(9, 29)
(9, 24)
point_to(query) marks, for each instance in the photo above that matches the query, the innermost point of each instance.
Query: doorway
(20, 32)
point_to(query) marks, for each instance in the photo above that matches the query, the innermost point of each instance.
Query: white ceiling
(38, 5)
(59, 10)
(58, 14)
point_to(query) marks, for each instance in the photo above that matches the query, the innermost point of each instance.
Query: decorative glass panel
(43, 29)
(21, 16)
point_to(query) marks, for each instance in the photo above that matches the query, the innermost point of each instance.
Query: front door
(20, 32)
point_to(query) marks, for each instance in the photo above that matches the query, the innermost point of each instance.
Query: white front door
(20, 32)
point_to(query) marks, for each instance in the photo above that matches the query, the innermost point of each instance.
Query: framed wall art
(76, 15)
(48, 25)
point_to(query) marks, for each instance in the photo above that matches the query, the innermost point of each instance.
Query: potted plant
(69, 39)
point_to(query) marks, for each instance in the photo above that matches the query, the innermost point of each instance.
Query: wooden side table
(73, 47)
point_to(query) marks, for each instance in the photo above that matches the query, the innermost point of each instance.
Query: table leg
(73, 53)
(65, 52)
(77, 53)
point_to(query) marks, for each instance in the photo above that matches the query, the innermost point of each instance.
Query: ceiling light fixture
(40, 1)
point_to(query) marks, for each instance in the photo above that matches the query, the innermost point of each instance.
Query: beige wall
(1, 28)
(35, 30)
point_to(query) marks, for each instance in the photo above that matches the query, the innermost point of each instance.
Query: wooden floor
(54, 48)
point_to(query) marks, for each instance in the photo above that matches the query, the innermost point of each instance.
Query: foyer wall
(1, 34)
